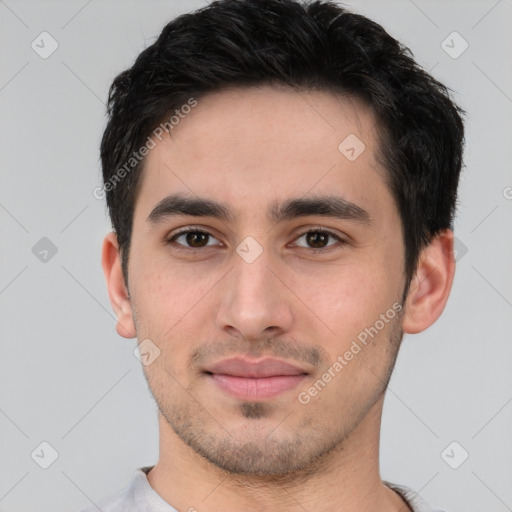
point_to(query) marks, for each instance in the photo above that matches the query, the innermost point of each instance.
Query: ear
(431, 284)
(119, 297)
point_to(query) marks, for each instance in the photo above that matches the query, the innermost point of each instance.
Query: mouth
(255, 380)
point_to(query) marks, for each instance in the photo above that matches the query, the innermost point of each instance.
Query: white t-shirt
(139, 496)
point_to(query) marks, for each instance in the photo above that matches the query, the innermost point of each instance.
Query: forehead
(255, 146)
(281, 118)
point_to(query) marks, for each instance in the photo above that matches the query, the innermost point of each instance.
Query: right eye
(191, 238)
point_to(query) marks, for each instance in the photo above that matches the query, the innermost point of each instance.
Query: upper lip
(268, 367)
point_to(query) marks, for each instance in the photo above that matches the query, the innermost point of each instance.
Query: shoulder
(412, 498)
(112, 504)
(117, 502)
(125, 499)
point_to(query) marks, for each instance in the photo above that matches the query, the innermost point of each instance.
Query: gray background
(67, 379)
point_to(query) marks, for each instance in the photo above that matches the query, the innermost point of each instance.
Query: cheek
(348, 300)
(341, 295)
(165, 309)
(167, 284)
(169, 300)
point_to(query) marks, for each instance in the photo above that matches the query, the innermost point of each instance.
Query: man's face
(225, 302)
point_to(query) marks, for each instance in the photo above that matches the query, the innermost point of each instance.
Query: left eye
(317, 239)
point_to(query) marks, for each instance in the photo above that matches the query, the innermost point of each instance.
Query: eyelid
(341, 241)
(189, 229)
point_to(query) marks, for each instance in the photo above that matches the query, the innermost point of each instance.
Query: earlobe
(431, 285)
(119, 297)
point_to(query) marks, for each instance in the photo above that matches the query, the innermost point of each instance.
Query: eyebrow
(326, 206)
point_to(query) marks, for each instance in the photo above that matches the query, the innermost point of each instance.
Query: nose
(255, 301)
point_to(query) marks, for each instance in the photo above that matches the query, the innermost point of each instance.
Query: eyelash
(202, 231)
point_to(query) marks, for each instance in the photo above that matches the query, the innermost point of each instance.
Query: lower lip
(256, 388)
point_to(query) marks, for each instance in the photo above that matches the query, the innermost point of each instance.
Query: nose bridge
(251, 278)
(253, 299)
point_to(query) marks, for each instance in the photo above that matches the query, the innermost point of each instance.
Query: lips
(255, 380)
(237, 367)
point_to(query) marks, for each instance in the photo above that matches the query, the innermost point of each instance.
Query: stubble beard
(273, 455)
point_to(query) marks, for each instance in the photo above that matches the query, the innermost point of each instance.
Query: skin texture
(247, 148)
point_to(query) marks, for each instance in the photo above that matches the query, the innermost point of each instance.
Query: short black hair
(316, 45)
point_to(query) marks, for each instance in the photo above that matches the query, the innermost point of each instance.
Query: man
(281, 179)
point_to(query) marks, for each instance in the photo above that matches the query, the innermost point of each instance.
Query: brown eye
(196, 238)
(192, 239)
(318, 240)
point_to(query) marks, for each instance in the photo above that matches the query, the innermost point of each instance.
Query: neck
(346, 478)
